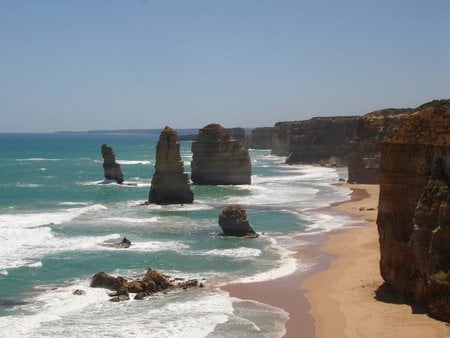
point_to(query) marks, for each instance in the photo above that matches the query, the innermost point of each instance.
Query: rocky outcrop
(324, 140)
(414, 208)
(365, 147)
(124, 244)
(233, 221)
(149, 284)
(170, 185)
(111, 168)
(261, 138)
(217, 158)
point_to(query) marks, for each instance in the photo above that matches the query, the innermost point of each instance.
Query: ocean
(57, 215)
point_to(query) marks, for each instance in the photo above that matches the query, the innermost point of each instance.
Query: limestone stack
(111, 168)
(170, 185)
(217, 158)
(233, 221)
(414, 208)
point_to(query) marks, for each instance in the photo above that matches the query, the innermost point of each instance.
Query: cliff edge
(414, 208)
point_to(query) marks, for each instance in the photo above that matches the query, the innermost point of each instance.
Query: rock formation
(239, 135)
(320, 140)
(151, 283)
(414, 208)
(261, 138)
(365, 147)
(170, 185)
(111, 168)
(233, 221)
(124, 244)
(217, 158)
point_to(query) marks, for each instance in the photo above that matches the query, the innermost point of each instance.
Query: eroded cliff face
(170, 185)
(324, 140)
(261, 138)
(414, 208)
(365, 147)
(218, 158)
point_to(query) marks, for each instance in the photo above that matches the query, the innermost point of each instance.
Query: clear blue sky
(105, 64)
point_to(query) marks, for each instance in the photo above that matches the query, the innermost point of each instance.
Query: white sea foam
(329, 220)
(57, 312)
(28, 185)
(150, 246)
(37, 159)
(131, 162)
(35, 265)
(234, 253)
(287, 265)
(73, 203)
(32, 239)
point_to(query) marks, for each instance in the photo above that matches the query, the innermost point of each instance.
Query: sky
(120, 64)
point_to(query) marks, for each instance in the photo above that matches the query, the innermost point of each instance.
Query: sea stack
(414, 208)
(170, 185)
(218, 158)
(110, 166)
(233, 221)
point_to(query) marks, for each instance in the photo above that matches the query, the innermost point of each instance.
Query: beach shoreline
(343, 295)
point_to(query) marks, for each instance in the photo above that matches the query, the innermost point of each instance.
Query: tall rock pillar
(110, 166)
(170, 185)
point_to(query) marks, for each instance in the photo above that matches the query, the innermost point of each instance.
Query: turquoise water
(56, 215)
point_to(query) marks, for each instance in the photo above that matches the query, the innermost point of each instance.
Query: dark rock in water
(111, 168)
(11, 302)
(414, 208)
(79, 292)
(233, 221)
(218, 158)
(124, 244)
(170, 185)
(152, 282)
(120, 298)
(103, 280)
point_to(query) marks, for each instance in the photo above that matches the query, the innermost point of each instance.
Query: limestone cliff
(170, 185)
(414, 208)
(365, 147)
(239, 134)
(217, 158)
(111, 168)
(318, 140)
(261, 138)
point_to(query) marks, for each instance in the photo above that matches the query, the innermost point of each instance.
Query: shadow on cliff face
(387, 294)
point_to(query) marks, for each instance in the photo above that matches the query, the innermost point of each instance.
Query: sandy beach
(349, 298)
(344, 294)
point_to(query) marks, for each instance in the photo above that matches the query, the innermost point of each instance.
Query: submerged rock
(170, 185)
(233, 221)
(218, 158)
(111, 168)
